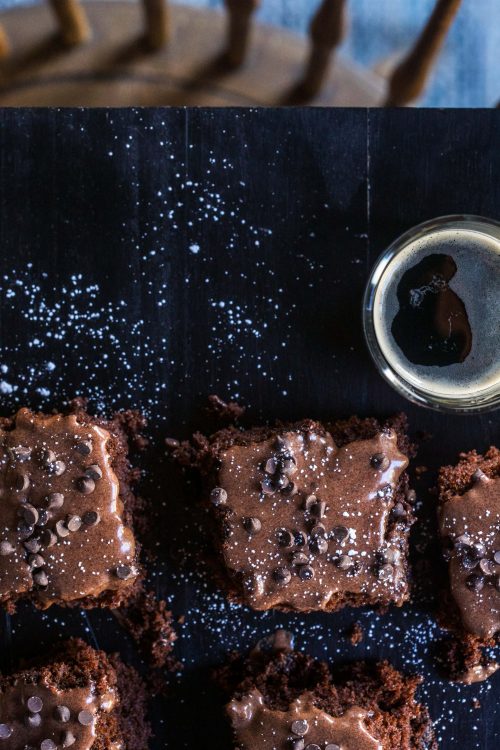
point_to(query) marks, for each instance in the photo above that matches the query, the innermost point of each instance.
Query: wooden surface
(117, 67)
(150, 258)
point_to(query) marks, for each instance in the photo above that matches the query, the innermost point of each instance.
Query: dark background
(150, 258)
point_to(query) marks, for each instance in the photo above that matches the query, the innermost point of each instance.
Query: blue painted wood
(468, 72)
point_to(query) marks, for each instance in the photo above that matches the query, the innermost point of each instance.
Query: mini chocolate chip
(339, 534)
(345, 562)
(40, 578)
(29, 513)
(68, 739)
(380, 461)
(300, 727)
(312, 746)
(84, 447)
(32, 545)
(93, 472)
(486, 566)
(21, 482)
(291, 489)
(21, 453)
(61, 529)
(306, 572)
(299, 558)
(48, 538)
(91, 518)
(475, 582)
(36, 561)
(319, 509)
(299, 539)
(267, 486)
(332, 746)
(33, 720)
(6, 548)
(318, 530)
(399, 511)
(468, 558)
(5, 731)
(48, 745)
(73, 523)
(124, 572)
(282, 575)
(252, 525)
(271, 466)
(47, 456)
(218, 496)
(86, 485)
(54, 500)
(62, 713)
(43, 517)
(172, 443)
(57, 468)
(285, 538)
(297, 743)
(319, 545)
(281, 443)
(289, 467)
(497, 582)
(310, 502)
(35, 704)
(385, 572)
(496, 557)
(411, 496)
(390, 556)
(85, 718)
(479, 476)
(463, 540)
(25, 530)
(479, 549)
(282, 481)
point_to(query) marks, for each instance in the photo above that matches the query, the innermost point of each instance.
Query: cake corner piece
(284, 699)
(76, 696)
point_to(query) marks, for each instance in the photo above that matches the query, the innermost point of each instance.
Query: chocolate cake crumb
(151, 625)
(356, 633)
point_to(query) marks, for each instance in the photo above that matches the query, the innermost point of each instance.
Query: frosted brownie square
(310, 516)
(66, 508)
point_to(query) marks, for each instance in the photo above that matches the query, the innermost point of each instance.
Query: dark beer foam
(467, 361)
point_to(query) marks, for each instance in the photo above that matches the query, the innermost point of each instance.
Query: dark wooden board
(152, 257)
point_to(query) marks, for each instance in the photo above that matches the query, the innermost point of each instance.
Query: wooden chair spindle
(326, 32)
(73, 21)
(239, 26)
(4, 43)
(157, 15)
(408, 79)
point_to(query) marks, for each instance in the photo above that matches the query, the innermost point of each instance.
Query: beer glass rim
(484, 400)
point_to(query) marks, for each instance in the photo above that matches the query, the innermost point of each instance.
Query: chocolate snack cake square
(286, 700)
(469, 523)
(66, 508)
(310, 516)
(79, 698)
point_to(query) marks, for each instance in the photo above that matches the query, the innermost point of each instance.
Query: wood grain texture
(227, 251)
